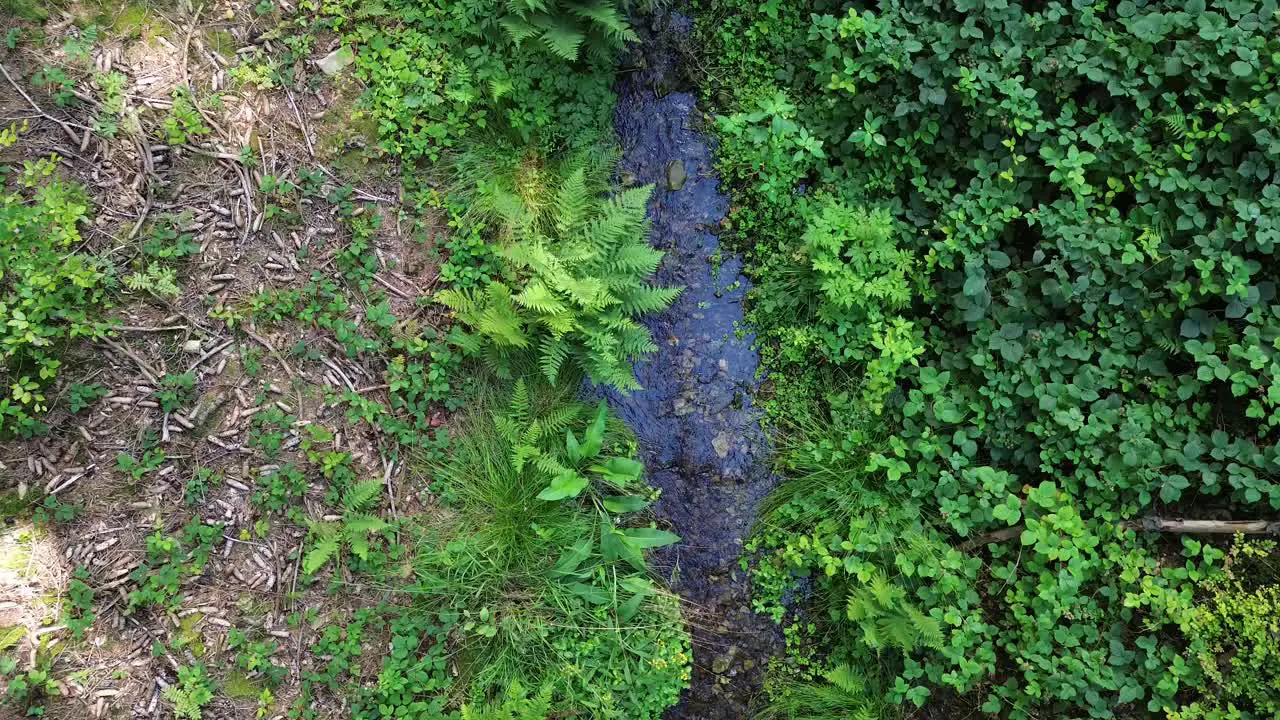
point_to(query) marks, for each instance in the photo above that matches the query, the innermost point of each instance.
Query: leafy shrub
(840, 694)
(1088, 191)
(574, 278)
(515, 704)
(440, 72)
(49, 292)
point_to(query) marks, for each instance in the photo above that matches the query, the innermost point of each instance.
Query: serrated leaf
(361, 496)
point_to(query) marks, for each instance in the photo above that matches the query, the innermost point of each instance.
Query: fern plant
(567, 27)
(353, 531)
(156, 279)
(888, 619)
(570, 466)
(516, 704)
(575, 279)
(845, 695)
(193, 691)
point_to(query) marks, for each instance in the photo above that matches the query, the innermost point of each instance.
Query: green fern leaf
(361, 496)
(554, 353)
(572, 202)
(537, 296)
(563, 39)
(321, 552)
(364, 525)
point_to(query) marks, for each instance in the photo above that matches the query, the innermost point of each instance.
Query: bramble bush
(49, 291)
(1082, 203)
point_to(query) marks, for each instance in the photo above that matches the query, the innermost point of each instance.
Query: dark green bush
(1087, 196)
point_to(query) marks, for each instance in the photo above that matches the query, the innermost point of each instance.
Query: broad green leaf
(650, 537)
(590, 593)
(566, 485)
(619, 504)
(571, 446)
(619, 470)
(628, 609)
(594, 439)
(572, 558)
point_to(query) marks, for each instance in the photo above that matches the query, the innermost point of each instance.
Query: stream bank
(700, 433)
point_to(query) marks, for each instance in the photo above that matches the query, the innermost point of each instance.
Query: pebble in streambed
(699, 431)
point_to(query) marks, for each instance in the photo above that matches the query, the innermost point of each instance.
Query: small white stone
(336, 61)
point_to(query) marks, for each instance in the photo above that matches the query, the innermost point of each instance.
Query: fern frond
(562, 38)
(635, 259)
(364, 525)
(845, 679)
(555, 422)
(646, 299)
(607, 19)
(518, 29)
(458, 300)
(537, 296)
(928, 630)
(320, 553)
(361, 496)
(554, 352)
(518, 410)
(572, 202)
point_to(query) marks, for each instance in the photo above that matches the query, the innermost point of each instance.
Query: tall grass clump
(539, 553)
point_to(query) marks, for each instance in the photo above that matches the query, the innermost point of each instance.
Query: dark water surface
(700, 434)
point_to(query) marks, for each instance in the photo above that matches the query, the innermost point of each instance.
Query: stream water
(699, 432)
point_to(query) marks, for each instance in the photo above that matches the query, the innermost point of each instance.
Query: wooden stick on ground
(1148, 524)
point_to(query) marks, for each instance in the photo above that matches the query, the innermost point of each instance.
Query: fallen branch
(146, 369)
(1205, 527)
(995, 536)
(271, 349)
(217, 349)
(149, 329)
(1148, 524)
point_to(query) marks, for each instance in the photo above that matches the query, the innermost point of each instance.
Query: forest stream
(700, 434)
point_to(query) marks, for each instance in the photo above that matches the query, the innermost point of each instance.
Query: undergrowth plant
(575, 271)
(192, 692)
(566, 27)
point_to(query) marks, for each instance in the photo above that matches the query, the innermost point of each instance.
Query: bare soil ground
(142, 185)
